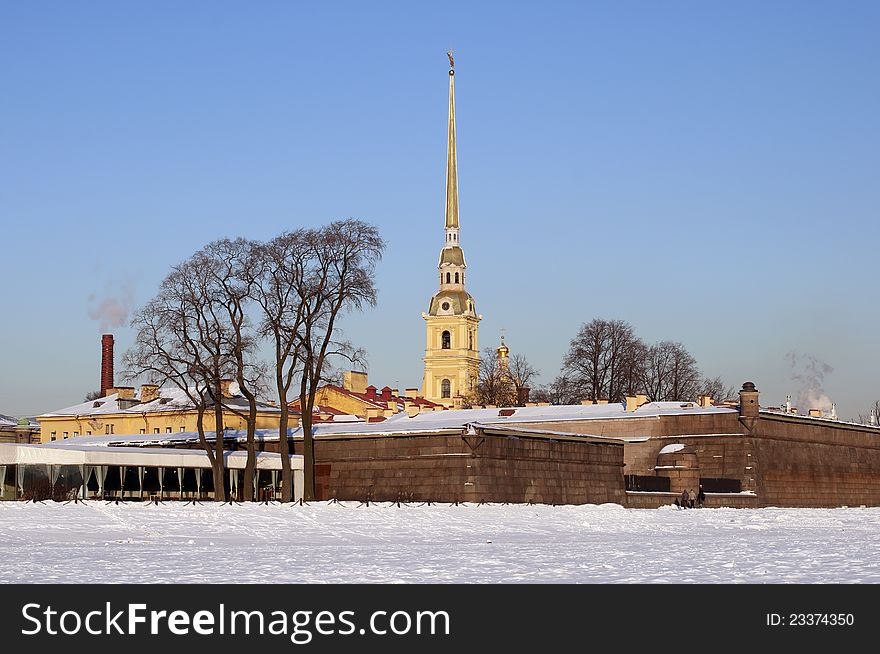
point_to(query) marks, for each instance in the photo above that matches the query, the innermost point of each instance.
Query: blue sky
(706, 171)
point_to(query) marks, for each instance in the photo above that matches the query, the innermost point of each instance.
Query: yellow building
(153, 411)
(452, 357)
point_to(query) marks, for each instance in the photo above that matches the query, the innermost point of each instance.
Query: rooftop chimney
(149, 392)
(354, 381)
(106, 363)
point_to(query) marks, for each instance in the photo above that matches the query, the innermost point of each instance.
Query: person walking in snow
(701, 497)
(684, 498)
(693, 498)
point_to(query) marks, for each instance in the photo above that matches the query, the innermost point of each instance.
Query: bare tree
(656, 364)
(278, 270)
(182, 339)
(521, 374)
(625, 351)
(338, 278)
(717, 390)
(502, 384)
(560, 391)
(669, 373)
(494, 385)
(603, 359)
(685, 376)
(233, 276)
(585, 364)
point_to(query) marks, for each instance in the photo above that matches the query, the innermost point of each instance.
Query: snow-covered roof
(12, 421)
(457, 419)
(177, 439)
(170, 399)
(70, 452)
(432, 422)
(555, 413)
(782, 413)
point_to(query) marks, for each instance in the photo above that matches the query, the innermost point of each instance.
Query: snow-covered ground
(173, 542)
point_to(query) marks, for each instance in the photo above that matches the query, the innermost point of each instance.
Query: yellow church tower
(452, 357)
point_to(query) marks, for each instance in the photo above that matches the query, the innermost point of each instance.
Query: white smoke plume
(810, 374)
(112, 309)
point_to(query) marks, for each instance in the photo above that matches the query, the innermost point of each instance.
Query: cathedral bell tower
(452, 357)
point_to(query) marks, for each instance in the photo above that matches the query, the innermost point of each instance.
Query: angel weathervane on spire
(451, 60)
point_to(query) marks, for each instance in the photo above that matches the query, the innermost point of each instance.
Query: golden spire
(451, 158)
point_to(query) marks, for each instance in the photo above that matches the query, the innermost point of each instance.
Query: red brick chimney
(106, 363)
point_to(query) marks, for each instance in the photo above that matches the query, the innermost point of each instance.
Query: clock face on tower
(445, 306)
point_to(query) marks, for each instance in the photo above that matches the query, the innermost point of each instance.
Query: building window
(75, 434)
(143, 431)
(167, 430)
(446, 341)
(155, 430)
(112, 430)
(183, 429)
(88, 433)
(445, 388)
(448, 277)
(456, 278)
(53, 435)
(64, 434)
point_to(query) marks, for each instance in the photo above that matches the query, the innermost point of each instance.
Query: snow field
(343, 542)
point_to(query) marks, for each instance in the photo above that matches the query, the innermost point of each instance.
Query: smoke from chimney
(106, 363)
(810, 373)
(112, 310)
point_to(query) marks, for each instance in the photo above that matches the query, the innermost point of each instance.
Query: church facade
(452, 357)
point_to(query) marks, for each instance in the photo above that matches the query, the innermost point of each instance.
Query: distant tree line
(218, 312)
(606, 360)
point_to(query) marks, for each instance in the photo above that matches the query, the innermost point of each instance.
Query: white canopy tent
(95, 460)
